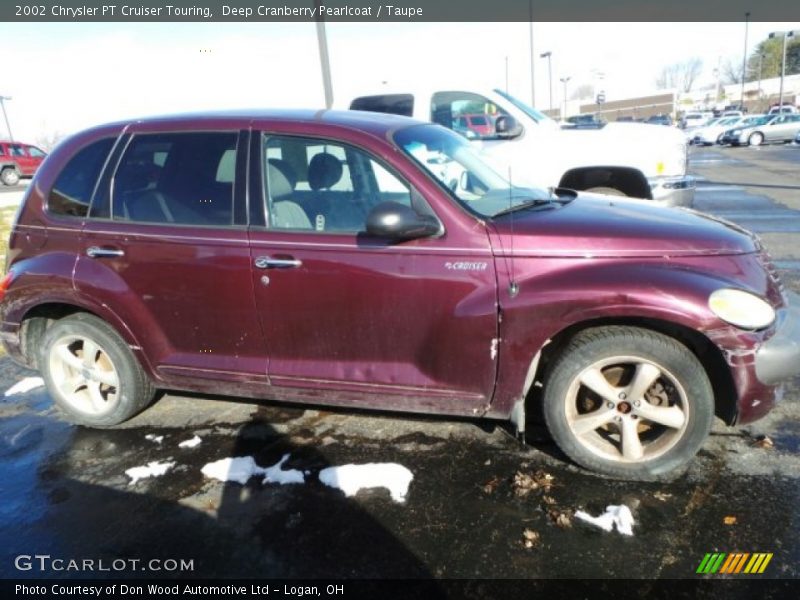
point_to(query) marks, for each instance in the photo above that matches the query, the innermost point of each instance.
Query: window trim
(259, 140)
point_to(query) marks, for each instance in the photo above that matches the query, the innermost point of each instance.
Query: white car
(696, 119)
(711, 133)
(529, 148)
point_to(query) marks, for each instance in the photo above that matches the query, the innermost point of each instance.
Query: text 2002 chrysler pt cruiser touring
(319, 257)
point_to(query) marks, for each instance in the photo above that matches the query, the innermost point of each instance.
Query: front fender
(557, 294)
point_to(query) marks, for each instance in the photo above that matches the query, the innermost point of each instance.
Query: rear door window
(177, 178)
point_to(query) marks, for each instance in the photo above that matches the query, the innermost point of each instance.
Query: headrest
(277, 183)
(324, 171)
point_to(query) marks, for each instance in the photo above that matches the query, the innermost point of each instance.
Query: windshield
(534, 114)
(451, 160)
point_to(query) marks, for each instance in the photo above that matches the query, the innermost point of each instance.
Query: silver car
(780, 128)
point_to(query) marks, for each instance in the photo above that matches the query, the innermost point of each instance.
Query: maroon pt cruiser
(365, 260)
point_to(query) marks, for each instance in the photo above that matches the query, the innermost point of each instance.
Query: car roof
(368, 122)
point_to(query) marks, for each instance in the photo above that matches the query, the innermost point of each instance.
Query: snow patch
(619, 516)
(352, 478)
(154, 438)
(152, 469)
(192, 443)
(242, 468)
(25, 385)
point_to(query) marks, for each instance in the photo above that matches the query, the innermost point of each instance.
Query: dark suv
(366, 260)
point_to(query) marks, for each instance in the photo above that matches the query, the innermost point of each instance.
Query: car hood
(593, 225)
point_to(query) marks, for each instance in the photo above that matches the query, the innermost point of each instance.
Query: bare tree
(680, 75)
(48, 141)
(731, 71)
(585, 90)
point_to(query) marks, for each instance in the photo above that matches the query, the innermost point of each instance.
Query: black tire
(92, 402)
(9, 176)
(680, 386)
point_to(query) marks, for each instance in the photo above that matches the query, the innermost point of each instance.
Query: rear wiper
(532, 203)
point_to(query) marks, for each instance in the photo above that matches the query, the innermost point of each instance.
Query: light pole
(744, 58)
(533, 74)
(784, 35)
(5, 116)
(760, 62)
(324, 59)
(564, 80)
(548, 56)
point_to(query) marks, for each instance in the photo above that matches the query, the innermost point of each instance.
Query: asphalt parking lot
(480, 504)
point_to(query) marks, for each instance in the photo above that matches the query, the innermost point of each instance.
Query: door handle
(98, 252)
(265, 262)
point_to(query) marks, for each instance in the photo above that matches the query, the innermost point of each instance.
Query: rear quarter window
(394, 104)
(72, 191)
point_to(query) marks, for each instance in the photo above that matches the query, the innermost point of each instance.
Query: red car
(18, 160)
(323, 257)
(479, 123)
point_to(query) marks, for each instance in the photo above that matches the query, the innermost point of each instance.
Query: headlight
(742, 309)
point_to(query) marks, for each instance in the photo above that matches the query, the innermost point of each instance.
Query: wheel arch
(628, 180)
(707, 353)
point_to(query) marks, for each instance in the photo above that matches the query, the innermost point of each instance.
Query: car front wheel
(91, 372)
(628, 402)
(756, 139)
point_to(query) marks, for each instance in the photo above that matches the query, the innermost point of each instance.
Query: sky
(75, 75)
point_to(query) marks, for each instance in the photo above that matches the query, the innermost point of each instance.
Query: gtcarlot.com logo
(721, 563)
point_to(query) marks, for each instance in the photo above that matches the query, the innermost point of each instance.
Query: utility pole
(548, 56)
(533, 73)
(564, 80)
(322, 40)
(5, 116)
(784, 35)
(744, 59)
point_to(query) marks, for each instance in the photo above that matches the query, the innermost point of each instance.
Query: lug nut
(637, 403)
(610, 405)
(622, 395)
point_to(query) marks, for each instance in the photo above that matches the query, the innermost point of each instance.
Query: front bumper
(778, 358)
(673, 191)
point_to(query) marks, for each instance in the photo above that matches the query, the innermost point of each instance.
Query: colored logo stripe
(723, 563)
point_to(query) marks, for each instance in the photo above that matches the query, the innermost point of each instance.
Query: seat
(284, 213)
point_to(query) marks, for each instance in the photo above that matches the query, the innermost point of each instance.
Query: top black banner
(400, 10)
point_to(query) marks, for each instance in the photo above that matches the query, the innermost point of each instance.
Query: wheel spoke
(588, 422)
(96, 398)
(70, 385)
(106, 377)
(645, 376)
(68, 358)
(90, 350)
(669, 416)
(631, 444)
(597, 382)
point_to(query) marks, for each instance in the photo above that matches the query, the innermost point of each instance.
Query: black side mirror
(399, 222)
(506, 126)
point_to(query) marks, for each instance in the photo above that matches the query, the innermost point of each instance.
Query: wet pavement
(64, 491)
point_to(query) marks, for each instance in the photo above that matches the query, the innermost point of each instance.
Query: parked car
(695, 119)
(589, 121)
(626, 119)
(309, 256)
(659, 120)
(779, 128)
(731, 136)
(481, 124)
(711, 133)
(18, 160)
(785, 109)
(634, 160)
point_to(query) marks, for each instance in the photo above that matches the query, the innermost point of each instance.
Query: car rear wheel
(91, 372)
(9, 176)
(628, 402)
(756, 139)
